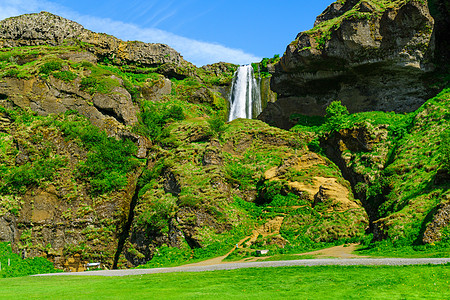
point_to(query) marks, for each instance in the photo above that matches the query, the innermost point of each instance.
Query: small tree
(336, 110)
(335, 114)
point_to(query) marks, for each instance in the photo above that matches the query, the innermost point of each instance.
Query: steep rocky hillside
(117, 152)
(371, 55)
(396, 165)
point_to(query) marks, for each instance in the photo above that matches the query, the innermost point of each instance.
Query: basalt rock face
(109, 111)
(352, 150)
(57, 218)
(369, 57)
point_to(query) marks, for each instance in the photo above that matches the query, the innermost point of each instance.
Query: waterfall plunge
(245, 98)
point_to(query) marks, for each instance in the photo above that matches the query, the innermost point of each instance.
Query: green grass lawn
(324, 282)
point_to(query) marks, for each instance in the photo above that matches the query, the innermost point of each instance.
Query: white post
(9, 262)
(0, 266)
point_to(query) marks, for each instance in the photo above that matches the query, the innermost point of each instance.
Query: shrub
(335, 110)
(49, 67)
(335, 114)
(154, 117)
(22, 267)
(17, 179)
(108, 161)
(65, 75)
(217, 124)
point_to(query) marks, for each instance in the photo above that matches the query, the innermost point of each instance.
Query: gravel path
(265, 264)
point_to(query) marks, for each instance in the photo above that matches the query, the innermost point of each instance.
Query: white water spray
(245, 97)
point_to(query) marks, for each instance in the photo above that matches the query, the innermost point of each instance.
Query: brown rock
(440, 220)
(117, 104)
(79, 57)
(8, 228)
(155, 90)
(213, 154)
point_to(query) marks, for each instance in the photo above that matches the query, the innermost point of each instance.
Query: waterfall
(245, 96)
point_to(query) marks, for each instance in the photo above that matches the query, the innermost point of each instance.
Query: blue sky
(202, 31)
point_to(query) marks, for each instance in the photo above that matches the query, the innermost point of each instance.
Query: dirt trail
(269, 228)
(273, 227)
(342, 251)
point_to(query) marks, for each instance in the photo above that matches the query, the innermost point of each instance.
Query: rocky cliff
(371, 55)
(117, 152)
(57, 44)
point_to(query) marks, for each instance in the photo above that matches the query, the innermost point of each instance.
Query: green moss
(65, 76)
(108, 161)
(213, 78)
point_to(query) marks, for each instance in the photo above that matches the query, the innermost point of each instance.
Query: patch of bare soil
(343, 251)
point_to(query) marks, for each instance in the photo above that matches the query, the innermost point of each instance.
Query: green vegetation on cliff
(108, 160)
(351, 10)
(397, 164)
(127, 160)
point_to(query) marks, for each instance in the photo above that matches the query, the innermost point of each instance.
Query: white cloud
(197, 52)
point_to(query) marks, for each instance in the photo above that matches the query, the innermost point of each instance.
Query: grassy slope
(413, 170)
(328, 282)
(248, 148)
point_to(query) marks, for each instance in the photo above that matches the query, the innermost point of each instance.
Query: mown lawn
(324, 282)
